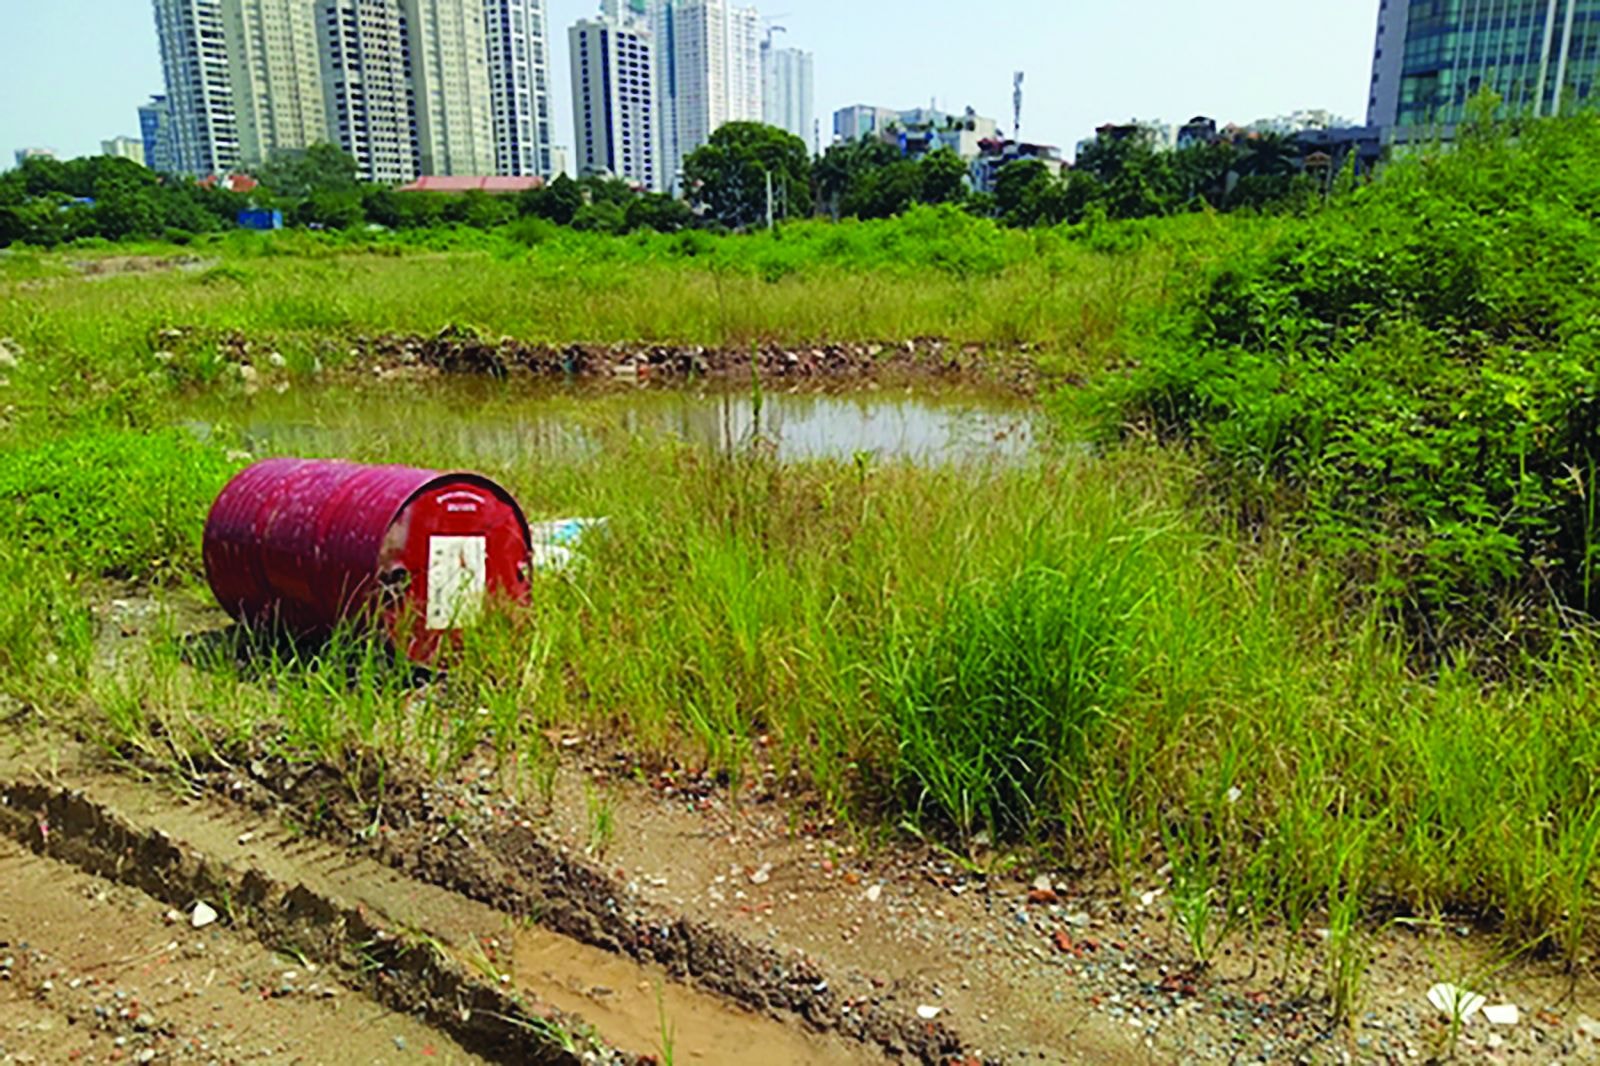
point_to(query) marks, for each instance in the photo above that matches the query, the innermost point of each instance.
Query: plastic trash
(555, 543)
(1503, 1014)
(1455, 1002)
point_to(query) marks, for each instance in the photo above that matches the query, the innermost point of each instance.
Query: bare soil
(94, 971)
(457, 350)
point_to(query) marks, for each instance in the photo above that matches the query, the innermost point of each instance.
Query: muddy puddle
(643, 1011)
(510, 423)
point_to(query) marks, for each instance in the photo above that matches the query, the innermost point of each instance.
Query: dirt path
(693, 932)
(95, 971)
(300, 894)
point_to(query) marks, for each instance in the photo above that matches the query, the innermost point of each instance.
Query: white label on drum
(458, 580)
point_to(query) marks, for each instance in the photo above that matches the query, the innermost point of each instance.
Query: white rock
(276, 360)
(927, 1013)
(248, 374)
(202, 916)
(1150, 897)
(762, 875)
(1503, 1014)
(1042, 884)
(874, 893)
(1455, 1002)
(1235, 794)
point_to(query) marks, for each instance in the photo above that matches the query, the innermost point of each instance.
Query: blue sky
(73, 71)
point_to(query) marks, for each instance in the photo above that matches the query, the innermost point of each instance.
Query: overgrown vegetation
(1410, 376)
(1388, 400)
(46, 203)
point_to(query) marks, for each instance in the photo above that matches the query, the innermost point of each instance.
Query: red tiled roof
(465, 183)
(232, 183)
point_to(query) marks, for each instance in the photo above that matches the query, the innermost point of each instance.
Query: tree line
(746, 171)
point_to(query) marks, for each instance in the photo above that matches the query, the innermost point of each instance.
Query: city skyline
(1088, 67)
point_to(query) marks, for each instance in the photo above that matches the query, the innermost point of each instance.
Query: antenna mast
(1016, 107)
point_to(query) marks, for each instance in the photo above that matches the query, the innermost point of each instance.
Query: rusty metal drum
(309, 543)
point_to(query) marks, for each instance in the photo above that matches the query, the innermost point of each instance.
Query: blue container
(260, 218)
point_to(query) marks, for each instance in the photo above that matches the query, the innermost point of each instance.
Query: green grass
(1077, 655)
(116, 346)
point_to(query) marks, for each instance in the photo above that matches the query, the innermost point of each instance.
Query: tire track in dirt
(480, 971)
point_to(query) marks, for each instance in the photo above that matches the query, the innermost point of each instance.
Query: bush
(1393, 371)
(112, 503)
(996, 707)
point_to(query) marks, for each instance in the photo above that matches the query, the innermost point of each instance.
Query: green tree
(321, 168)
(842, 166)
(1138, 180)
(1202, 172)
(325, 209)
(601, 216)
(664, 214)
(1027, 194)
(556, 202)
(884, 191)
(944, 177)
(728, 175)
(1269, 155)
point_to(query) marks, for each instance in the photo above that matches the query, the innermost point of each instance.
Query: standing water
(508, 423)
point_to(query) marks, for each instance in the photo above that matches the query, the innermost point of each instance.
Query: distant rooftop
(467, 183)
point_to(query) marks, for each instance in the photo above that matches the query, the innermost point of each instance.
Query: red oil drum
(312, 542)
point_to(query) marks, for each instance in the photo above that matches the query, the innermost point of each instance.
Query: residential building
(997, 153)
(124, 148)
(918, 130)
(561, 161)
(926, 129)
(450, 71)
(1329, 149)
(155, 130)
(1431, 57)
(367, 82)
(498, 185)
(203, 132)
(861, 120)
(1197, 131)
(708, 74)
(517, 35)
(613, 97)
(788, 92)
(1300, 121)
(1154, 135)
(276, 77)
(25, 154)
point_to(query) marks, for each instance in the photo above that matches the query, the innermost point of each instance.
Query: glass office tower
(1433, 56)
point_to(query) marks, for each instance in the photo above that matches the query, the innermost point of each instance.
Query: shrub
(1392, 370)
(995, 707)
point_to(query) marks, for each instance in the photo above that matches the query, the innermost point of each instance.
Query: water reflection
(929, 427)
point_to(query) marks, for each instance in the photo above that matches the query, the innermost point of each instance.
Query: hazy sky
(72, 72)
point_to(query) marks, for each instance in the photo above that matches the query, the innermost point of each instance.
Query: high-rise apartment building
(1433, 56)
(708, 73)
(276, 75)
(155, 130)
(367, 83)
(450, 65)
(787, 92)
(124, 148)
(613, 96)
(203, 132)
(517, 35)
